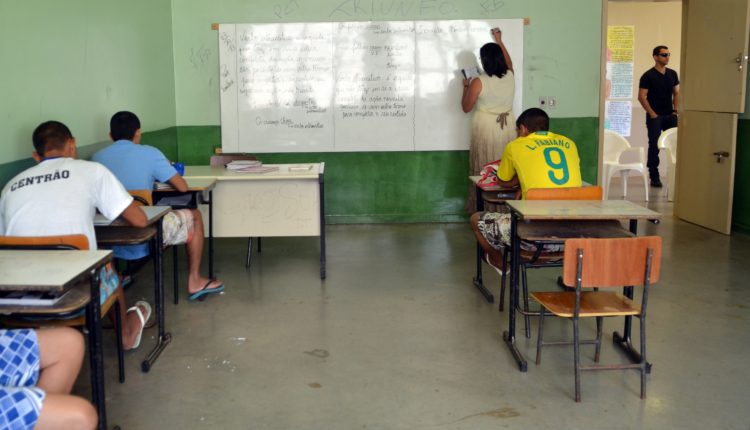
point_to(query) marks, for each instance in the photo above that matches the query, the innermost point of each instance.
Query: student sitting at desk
(38, 372)
(536, 159)
(137, 167)
(59, 196)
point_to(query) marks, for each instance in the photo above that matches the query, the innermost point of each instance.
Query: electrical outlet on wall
(542, 102)
(551, 102)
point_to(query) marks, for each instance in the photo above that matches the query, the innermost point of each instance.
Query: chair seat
(593, 303)
(625, 166)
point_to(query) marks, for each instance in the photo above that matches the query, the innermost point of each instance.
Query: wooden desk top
(581, 210)
(120, 232)
(286, 171)
(153, 214)
(194, 184)
(34, 270)
(123, 235)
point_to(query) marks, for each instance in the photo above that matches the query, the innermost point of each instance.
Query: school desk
(530, 221)
(35, 270)
(282, 203)
(120, 232)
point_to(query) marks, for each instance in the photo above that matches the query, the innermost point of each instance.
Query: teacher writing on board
(490, 95)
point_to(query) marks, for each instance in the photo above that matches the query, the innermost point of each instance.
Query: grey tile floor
(397, 338)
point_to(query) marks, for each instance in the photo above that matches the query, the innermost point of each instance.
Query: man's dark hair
(534, 119)
(123, 125)
(49, 136)
(493, 61)
(658, 49)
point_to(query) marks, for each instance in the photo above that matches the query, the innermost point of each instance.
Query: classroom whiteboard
(352, 86)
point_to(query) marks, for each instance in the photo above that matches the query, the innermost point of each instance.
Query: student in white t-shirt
(60, 195)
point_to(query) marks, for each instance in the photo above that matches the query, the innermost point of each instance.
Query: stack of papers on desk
(249, 166)
(101, 220)
(162, 186)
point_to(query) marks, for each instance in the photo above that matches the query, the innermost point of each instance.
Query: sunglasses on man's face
(664, 54)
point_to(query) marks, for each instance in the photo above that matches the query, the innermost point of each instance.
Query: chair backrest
(668, 140)
(68, 241)
(222, 159)
(614, 145)
(612, 262)
(142, 196)
(593, 192)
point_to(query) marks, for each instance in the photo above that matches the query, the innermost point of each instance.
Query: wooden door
(714, 63)
(706, 181)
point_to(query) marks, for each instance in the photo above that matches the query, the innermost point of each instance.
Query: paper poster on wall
(620, 41)
(621, 77)
(619, 89)
(617, 116)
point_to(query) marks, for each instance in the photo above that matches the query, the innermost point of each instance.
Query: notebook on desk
(101, 220)
(30, 298)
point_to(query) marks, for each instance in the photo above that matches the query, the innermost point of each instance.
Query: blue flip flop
(203, 292)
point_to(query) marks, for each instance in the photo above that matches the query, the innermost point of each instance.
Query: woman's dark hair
(493, 61)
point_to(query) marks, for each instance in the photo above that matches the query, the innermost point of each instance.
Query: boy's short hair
(534, 119)
(49, 136)
(123, 125)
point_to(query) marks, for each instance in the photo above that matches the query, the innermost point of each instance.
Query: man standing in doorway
(659, 94)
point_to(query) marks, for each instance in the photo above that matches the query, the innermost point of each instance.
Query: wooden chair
(145, 198)
(221, 160)
(74, 242)
(602, 264)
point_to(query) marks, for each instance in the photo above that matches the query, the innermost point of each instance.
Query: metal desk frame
(564, 210)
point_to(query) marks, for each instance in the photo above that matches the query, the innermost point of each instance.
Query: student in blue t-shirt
(137, 167)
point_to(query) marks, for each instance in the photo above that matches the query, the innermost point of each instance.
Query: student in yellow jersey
(538, 158)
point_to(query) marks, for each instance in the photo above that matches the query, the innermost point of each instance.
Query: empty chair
(614, 146)
(601, 265)
(668, 142)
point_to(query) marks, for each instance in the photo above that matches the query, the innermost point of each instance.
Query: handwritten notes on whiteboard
(351, 86)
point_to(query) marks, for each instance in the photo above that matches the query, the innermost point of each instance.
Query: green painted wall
(79, 61)
(562, 44)
(741, 206)
(159, 59)
(386, 186)
(397, 186)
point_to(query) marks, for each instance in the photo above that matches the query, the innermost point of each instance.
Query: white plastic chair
(614, 146)
(668, 142)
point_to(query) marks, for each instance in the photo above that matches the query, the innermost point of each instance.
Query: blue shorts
(20, 399)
